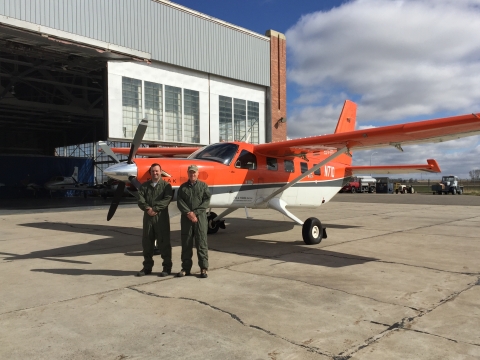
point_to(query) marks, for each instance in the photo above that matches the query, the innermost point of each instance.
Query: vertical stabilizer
(75, 174)
(346, 123)
(348, 117)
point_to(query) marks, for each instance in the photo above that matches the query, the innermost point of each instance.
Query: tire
(396, 191)
(434, 193)
(312, 231)
(353, 190)
(454, 191)
(404, 191)
(460, 192)
(212, 226)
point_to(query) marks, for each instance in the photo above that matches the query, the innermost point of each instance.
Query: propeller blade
(133, 180)
(116, 199)
(137, 139)
(106, 149)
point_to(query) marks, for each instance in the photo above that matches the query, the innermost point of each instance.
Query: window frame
(285, 166)
(276, 164)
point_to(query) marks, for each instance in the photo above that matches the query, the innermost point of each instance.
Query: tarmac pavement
(391, 281)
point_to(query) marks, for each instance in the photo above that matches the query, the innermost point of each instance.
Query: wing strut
(342, 151)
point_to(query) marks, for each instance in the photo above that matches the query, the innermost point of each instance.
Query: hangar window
(245, 115)
(225, 118)
(272, 164)
(173, 113)
(289, 166)
(252, 121)
(191, 117)
(154, 111)
(132, 105)
(239, 119)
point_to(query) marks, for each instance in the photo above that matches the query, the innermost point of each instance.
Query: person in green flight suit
(153, 198)
(193, 200)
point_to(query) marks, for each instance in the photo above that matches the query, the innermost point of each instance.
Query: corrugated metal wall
(168, 33)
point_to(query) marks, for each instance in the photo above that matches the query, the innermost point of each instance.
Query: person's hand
(150, 212)
(192, 217)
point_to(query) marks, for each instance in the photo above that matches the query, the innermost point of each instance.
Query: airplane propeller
(137, 140)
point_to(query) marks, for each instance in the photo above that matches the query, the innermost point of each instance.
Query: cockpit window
(222, 153)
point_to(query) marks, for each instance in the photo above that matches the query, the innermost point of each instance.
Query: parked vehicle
(403, 189)
(384, 186)
(448, 185)
(360, 184)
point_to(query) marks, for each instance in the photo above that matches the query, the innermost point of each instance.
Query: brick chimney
(277, 95)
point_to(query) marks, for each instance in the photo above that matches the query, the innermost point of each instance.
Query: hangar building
(81, 71)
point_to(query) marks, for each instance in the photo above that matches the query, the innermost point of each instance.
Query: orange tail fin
(346, 123)
(348, 117)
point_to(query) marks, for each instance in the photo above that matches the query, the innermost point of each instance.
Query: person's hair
(152, 166)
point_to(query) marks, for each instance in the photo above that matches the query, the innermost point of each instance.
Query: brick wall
(278, 86)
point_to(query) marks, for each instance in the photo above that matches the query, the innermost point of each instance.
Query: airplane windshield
(222, 153)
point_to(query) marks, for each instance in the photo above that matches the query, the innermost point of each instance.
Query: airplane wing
(159, 151)
(431, 167)
(428, 131)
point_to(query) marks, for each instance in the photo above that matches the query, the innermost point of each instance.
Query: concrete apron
(390, 281)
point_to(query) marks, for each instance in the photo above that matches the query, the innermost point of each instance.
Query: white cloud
(397, 60)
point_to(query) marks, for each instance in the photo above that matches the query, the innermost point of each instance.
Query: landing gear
(312, 231)
(213, 226)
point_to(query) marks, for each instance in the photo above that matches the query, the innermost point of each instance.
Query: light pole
(371, 159)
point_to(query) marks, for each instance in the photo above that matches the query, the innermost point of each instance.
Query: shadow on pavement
(242, 237)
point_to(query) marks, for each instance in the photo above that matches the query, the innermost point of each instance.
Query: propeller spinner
(124, 171)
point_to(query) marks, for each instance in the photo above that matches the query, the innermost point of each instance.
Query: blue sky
(400, 60)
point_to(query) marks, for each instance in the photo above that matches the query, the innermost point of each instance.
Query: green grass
(467, 189)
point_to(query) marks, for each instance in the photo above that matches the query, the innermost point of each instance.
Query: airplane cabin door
(245, 170)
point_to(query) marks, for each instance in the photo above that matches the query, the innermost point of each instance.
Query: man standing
(193, 200)
(153, 198)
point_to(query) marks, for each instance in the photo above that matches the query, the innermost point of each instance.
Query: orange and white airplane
(301, 172)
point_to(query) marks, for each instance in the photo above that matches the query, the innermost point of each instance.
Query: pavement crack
(404, 324)
(356, 257)
(326, 287)
(234, 317)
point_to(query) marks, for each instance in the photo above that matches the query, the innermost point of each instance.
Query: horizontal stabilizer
(431, 167)
(158, 151)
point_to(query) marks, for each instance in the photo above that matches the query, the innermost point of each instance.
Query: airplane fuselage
(243, 178)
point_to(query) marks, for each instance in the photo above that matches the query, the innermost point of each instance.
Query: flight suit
(194, 198)
(158, 226)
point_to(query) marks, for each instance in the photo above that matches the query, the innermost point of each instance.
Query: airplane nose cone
(121, 171)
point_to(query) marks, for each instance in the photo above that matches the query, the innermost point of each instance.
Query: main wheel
(213, 226)
(312, 231)
(460, 191)
(454, 191)
(352, 190)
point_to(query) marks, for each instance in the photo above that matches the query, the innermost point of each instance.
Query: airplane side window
(317, 172)
(246, 160)
(272, 164)
(303, 167)
(289, 166)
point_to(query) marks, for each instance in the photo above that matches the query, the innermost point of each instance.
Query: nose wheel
(312, 231)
